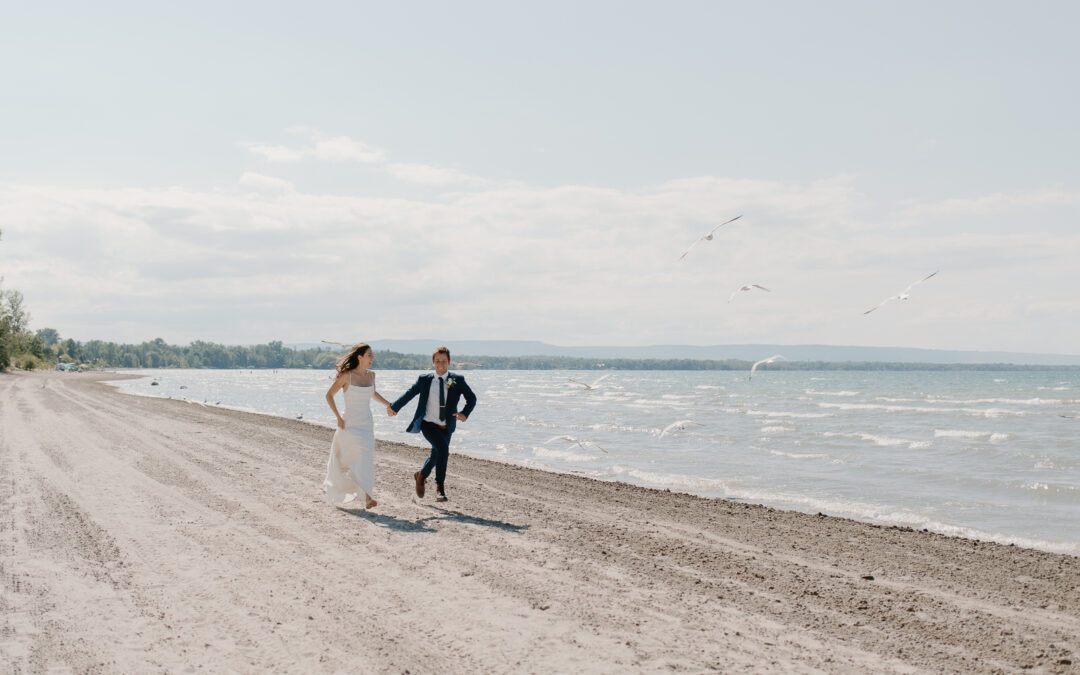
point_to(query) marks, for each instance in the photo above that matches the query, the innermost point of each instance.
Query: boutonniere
(450, 382)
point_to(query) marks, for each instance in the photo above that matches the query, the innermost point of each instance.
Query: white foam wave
(1012, 401)
(789, 415)
(621, 428)
(993, 437)
(561, 455)
(883, 441)
(796, 455)
(776, 430)
(669, 480)
(889, 515)
(832, 393)
(976, 412)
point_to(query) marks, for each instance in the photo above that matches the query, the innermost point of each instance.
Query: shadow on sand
(422, 524)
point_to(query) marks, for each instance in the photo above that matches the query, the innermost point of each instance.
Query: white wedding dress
(350, 472)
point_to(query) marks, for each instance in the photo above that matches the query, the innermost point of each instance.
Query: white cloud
(277, 153)
(1001, 203)
(344, 149)
(569, 264)
(258, 181)
(335, 149)
(432, 175)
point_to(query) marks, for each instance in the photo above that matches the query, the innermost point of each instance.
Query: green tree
(70, 351)
(49, 336)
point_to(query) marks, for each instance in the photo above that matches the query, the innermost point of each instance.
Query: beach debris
(154, 383)
(903, 295)
(594, 385)
(747, 287)
(764, 361)
(679, 425)
(709, 235)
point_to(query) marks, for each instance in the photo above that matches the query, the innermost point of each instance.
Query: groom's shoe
(419, 484)
(442, 495)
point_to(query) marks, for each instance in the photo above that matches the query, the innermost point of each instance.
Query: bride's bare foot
(371, 503)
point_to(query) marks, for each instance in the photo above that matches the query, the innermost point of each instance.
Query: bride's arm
(339, 381)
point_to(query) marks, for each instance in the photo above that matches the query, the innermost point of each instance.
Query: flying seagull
(747, 287)
(589, 386)
(709, 236)
(583, 444)
(768, 360)
(681, 424)
(903, 295)
(331, 342)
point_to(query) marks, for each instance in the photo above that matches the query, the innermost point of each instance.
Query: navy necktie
(442, 401)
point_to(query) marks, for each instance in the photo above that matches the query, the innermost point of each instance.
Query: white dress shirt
(431, 413)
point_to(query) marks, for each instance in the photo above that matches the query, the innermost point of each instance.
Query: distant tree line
(199, 354)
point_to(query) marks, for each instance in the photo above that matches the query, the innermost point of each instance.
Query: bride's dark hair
(352, 359)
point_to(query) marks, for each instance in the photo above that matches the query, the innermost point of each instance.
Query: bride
(350, 471)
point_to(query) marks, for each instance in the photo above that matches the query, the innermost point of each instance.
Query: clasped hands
(391, 412)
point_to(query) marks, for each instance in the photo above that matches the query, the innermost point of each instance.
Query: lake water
(987, 455)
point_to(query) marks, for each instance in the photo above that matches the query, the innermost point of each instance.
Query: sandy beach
(148, 535)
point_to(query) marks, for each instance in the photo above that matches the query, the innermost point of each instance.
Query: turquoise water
(988, 455)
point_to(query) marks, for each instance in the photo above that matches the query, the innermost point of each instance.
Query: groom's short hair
(441, 350)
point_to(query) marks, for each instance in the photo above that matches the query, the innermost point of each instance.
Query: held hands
(390, 411)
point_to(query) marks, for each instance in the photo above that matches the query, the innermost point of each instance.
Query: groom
(436, 416)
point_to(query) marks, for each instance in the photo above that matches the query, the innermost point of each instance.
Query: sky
(252, 171)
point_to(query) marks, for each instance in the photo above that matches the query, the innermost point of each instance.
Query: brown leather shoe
(419, 484)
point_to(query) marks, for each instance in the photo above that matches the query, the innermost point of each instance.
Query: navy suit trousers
(440, 451)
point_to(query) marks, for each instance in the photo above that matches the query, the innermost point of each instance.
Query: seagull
(589, 386)
(747, 287)
(768, 360)
(681, 424)
(573, 441)
(903, 295)
(709, 236)
(331, 342)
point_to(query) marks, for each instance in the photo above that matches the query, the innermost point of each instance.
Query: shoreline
(857, 512)
(141, 533)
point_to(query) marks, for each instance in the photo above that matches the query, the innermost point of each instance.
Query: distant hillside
(829, 353)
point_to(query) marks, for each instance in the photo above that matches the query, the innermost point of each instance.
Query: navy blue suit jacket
(456, 388)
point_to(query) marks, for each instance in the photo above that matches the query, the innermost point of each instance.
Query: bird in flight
(589, 386)
(747, 287)
(709, 236)
(763, 361)
(903, 295)
(681, 424)
(583, 444)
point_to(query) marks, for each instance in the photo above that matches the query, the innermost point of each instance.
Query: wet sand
(148, 535)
